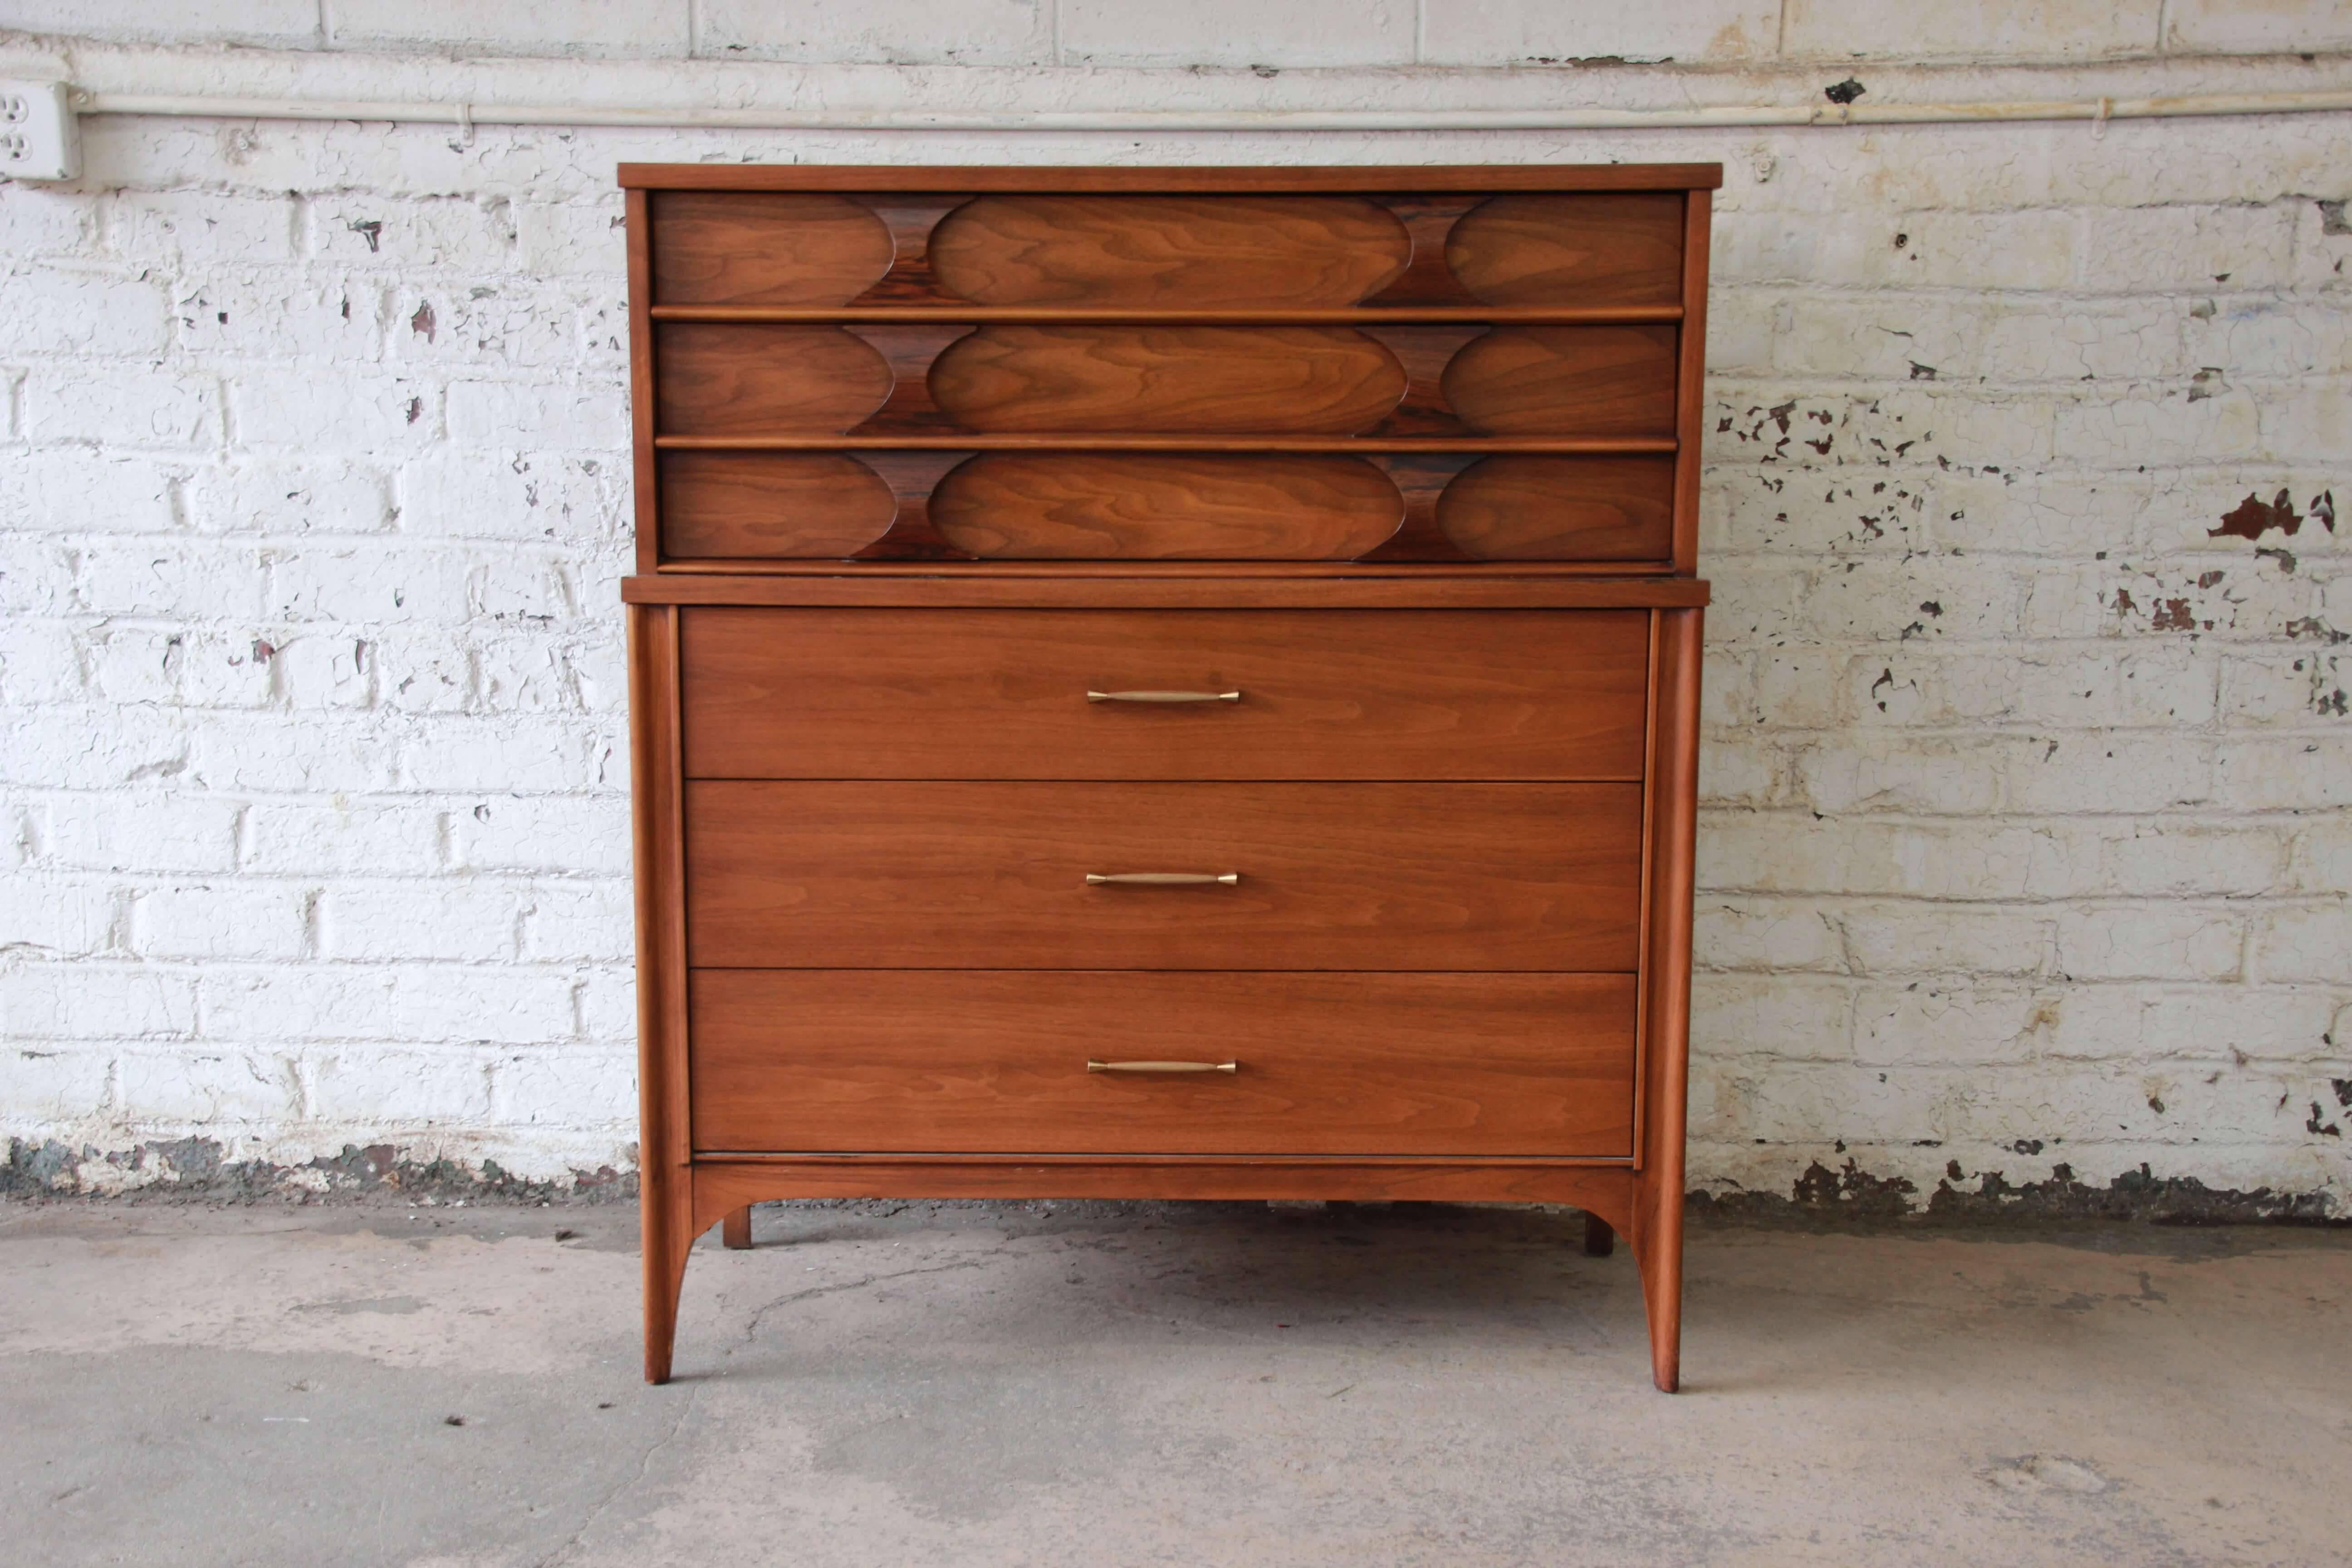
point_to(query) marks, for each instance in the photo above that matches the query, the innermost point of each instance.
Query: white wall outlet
(38, 137)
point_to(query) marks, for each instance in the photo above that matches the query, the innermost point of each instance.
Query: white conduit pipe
(1728, 116)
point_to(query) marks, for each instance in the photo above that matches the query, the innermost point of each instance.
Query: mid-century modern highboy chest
(1171, 683)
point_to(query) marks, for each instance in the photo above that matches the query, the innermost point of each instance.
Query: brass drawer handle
(1163, 697)
(1160, 879)
(1163, 1067)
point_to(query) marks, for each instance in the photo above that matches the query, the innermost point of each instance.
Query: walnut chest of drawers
(1174, 683)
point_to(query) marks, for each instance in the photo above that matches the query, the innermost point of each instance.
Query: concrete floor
(1108, 1384)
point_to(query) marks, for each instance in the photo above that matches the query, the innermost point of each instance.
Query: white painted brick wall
(2028, 801)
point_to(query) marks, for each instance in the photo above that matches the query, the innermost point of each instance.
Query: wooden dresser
(1170, 683)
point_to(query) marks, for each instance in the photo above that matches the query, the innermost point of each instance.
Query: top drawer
(1316, 694)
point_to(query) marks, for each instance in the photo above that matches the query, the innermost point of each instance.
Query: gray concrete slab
(1131, 1384)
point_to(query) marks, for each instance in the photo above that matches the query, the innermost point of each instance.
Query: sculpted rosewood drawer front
(1165, 684)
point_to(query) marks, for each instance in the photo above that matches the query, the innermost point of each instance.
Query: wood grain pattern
(1145, 507)
(1596, 249)
(1600, 1186)
(1274, 380)
(785, 249)
(990, 1061)
(1325, 694)
(1691, 393)
(1657, 1207)
(732, 504)
(1154, 585)
(719, 380)
(1168, 252)
(1093, 177)
(1562, 509)
(1556, 381)
(870, 875)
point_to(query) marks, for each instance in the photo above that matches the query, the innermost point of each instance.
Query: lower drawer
(926, 875)
(996, 1061)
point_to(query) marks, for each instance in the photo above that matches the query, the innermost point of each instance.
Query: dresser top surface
(1322, 180)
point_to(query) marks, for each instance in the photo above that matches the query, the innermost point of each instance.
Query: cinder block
(222, 918)
(2214, 422)
(1787, 1017)
(2306, 942)
(880, 32)
(627, 29)
(512, 324)
(607, 1003)
(366, 414)
(1974, 29)
(360, 583)
(527, 755)
(2284, 774)
(1946, 939)
(285, 24)
(2234, 27)
(2289, 688)
(40, 663)
(1966, 1024)
(391, 1089)
(579, 920)
(499, 416)
(54, 1082)
(68, 492)
(322, 668)
(1233, 33)
(1530, 32)
(2307, 422)
(122, 407)
(385, 231)
(281, 314)
(448, 493)
(177, 579)
(1929, 776)
(582, 239)
(2090, 857)
(65, 310)
(572, 1087)
(263, 751)
(59, 916)
(2185, 249)
(102, 1001)
(1770, 935)
(465, 920)
(1791, 852)
(2136, 942)
(208, 1089)
(291, 498)
(2112, 773)
(45, 220)
(428, 1003)
(176, 227)
(584, 835)
(346, 836)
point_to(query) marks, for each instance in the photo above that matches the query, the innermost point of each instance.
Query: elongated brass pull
(1163, 697)
(1160, 879)
(1163, 1067)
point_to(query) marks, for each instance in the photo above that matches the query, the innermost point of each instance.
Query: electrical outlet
(38, 137)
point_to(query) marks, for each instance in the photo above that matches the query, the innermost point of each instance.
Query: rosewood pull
(1160, 879)
(1163, 697)
(1163, 1067)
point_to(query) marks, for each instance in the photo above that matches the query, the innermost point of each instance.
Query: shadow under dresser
(1165, 683)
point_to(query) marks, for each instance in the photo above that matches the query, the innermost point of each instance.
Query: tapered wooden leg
(735, 1230)
(1658, 1252)
(1599, 1236)
(666, 1242)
